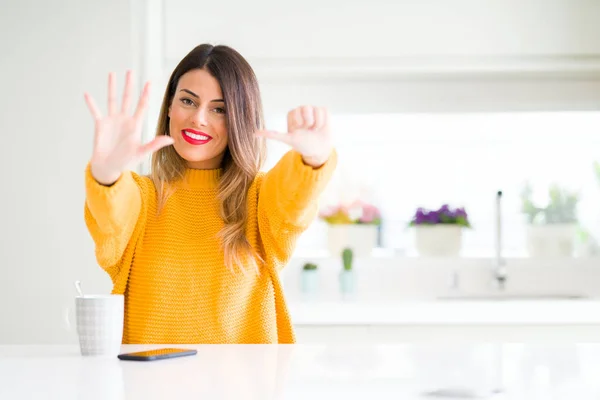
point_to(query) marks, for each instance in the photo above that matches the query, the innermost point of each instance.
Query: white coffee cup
(100, 324)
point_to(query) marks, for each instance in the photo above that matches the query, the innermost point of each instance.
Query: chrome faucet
(499, 272)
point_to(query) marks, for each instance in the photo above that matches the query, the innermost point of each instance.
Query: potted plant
(353, 226)
(310, 278)
(551, 228)
(438, 233)
(347, 276)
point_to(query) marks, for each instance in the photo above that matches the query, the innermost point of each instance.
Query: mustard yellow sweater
(170, 266)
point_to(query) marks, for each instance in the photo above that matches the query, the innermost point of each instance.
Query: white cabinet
(404, 56)
(386, 29)
(502, 320)
(384, 35)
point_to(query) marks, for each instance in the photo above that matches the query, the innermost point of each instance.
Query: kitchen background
(433, 102)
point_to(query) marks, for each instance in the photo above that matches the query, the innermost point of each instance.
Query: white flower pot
(347, 281)
(551, 240)
(360, 238)
(310, 281)
(347, 284)
(438, 240)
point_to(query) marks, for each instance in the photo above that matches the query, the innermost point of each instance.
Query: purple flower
(460, 212)
(433, 217)
(444, 215)
(420, 216)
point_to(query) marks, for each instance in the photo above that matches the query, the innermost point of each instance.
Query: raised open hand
(118, 135)
(308, 133)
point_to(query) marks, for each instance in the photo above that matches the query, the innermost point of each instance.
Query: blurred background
(436, 106)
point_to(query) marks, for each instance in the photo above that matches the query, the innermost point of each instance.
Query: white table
(565, 370)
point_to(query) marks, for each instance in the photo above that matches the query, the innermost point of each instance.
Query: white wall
(52, 53)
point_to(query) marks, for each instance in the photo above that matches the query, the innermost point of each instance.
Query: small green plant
(597, 170)
(561, 207)
(310, 267)
(347, 256)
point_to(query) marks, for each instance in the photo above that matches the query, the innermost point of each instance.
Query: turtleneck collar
(201, 178)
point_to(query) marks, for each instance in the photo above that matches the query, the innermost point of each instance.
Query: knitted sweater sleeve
(111, 214)
(288, 202)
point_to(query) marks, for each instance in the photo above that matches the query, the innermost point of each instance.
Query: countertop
(408, 371)
(471, 312)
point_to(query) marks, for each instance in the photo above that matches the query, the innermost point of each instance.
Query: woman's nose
(200, 117)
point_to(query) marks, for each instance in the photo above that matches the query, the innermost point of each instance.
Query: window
(404, 161)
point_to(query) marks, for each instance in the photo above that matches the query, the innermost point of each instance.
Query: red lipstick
(195, 137)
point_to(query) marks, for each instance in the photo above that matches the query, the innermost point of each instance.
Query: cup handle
(67, 314)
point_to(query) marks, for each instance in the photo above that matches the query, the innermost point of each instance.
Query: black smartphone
(158, 354)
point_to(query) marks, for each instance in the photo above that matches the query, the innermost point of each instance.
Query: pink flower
(329, 211)
(353, 213)
(370, 214)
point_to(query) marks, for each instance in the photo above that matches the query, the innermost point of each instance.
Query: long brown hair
(244, 155)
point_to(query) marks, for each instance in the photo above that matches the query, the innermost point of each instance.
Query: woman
(197, 246)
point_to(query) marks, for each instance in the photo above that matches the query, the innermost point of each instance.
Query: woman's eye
(220, 110)
(187, 102)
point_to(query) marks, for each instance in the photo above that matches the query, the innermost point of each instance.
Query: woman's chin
(193, 154)
(195, 157)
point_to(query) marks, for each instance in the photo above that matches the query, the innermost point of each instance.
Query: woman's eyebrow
(196, 96)
(190, 92)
